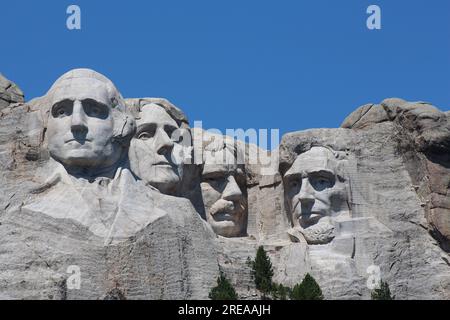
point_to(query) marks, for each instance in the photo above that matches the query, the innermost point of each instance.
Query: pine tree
(280, 292)
(224, 290)
(262, 272)
(382, 293)
(307, 290)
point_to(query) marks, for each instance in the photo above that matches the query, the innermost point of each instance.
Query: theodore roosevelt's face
(80, 126)
(224, 195)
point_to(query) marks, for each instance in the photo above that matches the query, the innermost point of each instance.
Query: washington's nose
(78, 124)
(232, 192)
(164, 144)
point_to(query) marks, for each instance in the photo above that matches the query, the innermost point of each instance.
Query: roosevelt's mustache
(226, 206)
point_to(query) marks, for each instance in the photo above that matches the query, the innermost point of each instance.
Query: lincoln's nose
(306, 196)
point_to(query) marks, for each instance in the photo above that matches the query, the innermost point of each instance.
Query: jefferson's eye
(144, 135)
(95, 109)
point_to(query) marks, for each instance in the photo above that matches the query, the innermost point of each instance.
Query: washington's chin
(164, 179)
(86, 157)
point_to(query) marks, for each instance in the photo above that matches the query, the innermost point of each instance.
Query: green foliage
(224, 290)
(280, 292)
(307, 290)
(262, 272)
(382, 293)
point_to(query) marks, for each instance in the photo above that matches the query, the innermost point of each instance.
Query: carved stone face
(81, 125)
(153, 152)
(314, 194)
(224, 195)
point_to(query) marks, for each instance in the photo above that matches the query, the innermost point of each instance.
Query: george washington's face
(314, 193)
(80, 126)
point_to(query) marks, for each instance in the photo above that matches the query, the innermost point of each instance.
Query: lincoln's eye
(320, 183)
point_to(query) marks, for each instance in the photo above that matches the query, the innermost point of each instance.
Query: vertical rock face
(339, 204)
(9, 93)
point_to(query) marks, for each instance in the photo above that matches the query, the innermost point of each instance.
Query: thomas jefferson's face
(224, 196)
(152, 156)
(80, 126)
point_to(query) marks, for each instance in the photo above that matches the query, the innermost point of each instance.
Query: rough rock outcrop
(9, 93)
(422, 139)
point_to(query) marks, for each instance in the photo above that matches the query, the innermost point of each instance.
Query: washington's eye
(95, 109)
(61, 110)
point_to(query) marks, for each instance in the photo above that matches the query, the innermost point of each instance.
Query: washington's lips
(78, 140)
(162, 163)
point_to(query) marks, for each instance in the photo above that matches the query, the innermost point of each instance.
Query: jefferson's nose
(164, 144)
(78, 123)
(232, 192)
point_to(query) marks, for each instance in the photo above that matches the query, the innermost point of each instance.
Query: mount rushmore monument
(145, 207)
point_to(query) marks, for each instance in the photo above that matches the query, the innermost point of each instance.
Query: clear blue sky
(290, 65)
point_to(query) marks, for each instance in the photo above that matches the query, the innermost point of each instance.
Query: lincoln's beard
(320, 233)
